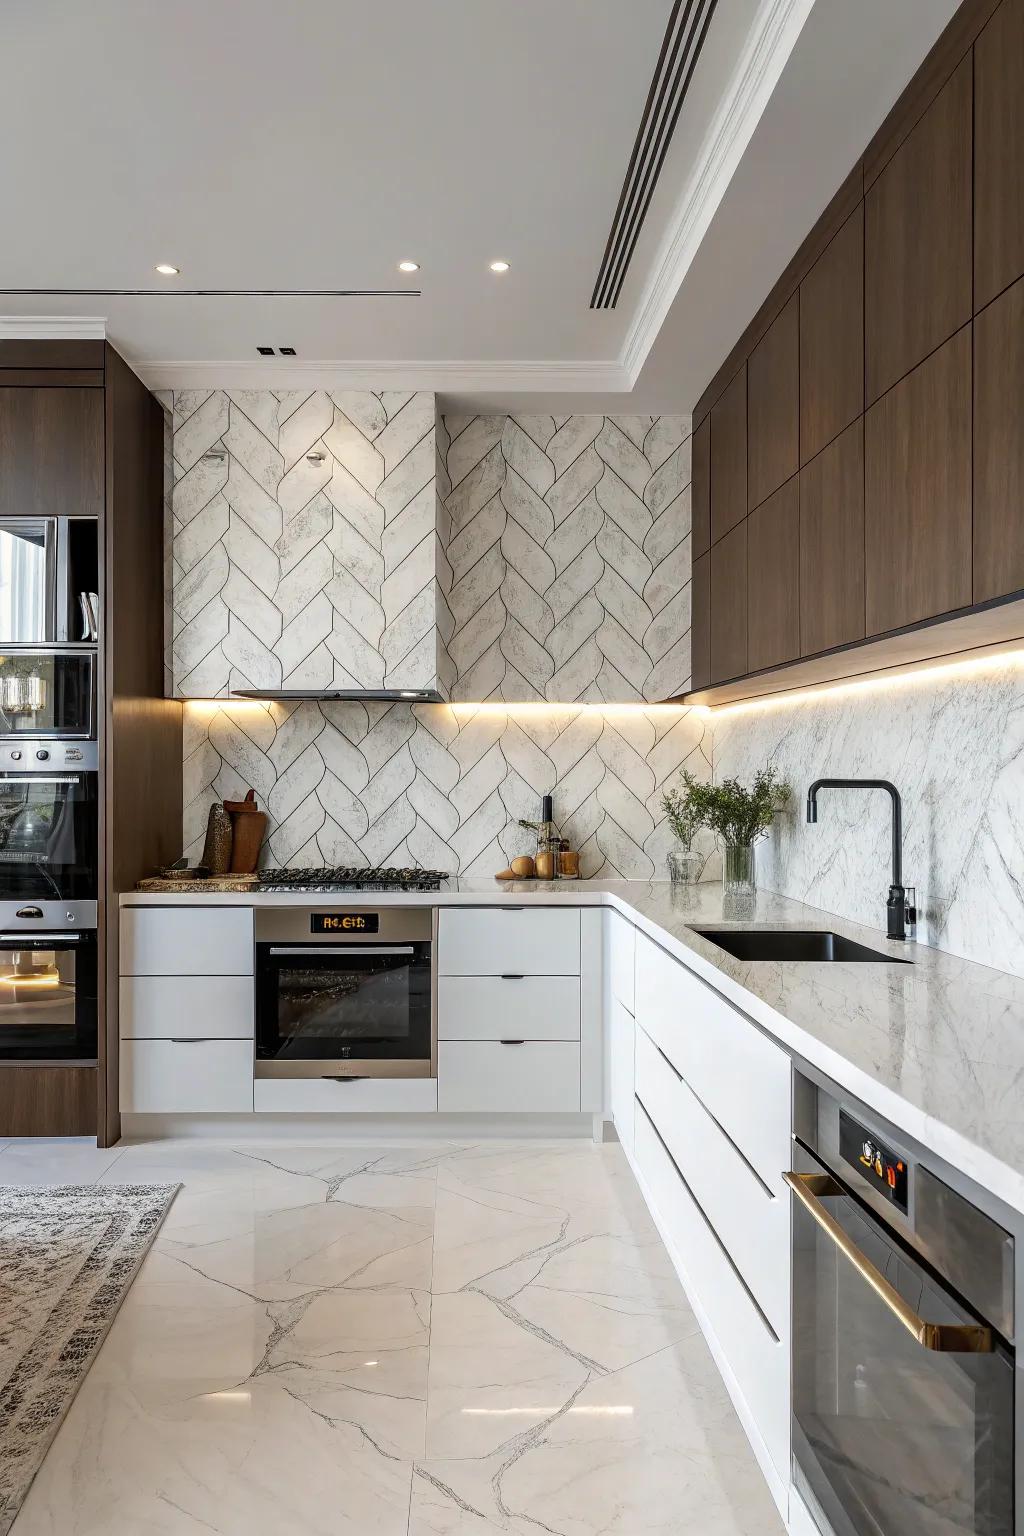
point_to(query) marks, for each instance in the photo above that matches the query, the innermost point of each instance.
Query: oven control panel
(344, 922)
(885, 1170)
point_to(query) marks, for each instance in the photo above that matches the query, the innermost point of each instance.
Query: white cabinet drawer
(740, 1075)
(200, 1077)
(621, 1031)
(758, 1360)
(621, 937)
(751, 1220)
(508, 1008)
(353, 1096)
(161, 1007)
(186, 941)
(484, 1076)
(496, 941)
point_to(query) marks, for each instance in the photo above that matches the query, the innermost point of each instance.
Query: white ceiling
(315, 143)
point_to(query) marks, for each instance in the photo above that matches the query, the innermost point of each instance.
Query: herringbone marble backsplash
(443, 785)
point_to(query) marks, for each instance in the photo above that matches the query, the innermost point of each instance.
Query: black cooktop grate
(346, 879)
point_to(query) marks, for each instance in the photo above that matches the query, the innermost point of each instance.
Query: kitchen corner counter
(936, 1047)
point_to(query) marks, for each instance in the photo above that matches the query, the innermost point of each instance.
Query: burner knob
(16, 755)
(42, 754)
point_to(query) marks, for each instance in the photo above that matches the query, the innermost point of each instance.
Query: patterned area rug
(68, 1255)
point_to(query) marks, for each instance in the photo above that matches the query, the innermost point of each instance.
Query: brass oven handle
(316, 951)
(946, 1338)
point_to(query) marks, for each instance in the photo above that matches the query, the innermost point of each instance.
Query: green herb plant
(737, 814)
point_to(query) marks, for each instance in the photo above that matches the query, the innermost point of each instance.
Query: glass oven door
(48, 997)
(894, 1433)
(343, 1010)
(48, 830)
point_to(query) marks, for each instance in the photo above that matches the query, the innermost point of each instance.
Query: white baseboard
(393, 1129)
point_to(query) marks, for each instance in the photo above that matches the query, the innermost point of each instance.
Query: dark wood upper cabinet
(918, 240)
(773, 406)
(51, 452)
(999, 153)
(832, 339)
(729, 605)
(700, 490)
(999, 446)
(773, 579)
(832, 544)
(729, 458)
(917, 492)
(700, 623)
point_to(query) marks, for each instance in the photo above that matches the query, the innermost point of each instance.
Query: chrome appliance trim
(52, 916)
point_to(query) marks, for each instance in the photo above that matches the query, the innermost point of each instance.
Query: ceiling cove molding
(771, 41)
(52, 328)
(580, 377)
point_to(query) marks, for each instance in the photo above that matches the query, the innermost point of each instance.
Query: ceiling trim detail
(52, 328)
(680, 51)
(771, 41)
(579, 377)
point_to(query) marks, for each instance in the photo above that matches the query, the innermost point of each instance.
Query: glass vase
(740, 882)
(685, 866)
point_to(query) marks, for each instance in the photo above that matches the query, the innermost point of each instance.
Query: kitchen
(510, 870)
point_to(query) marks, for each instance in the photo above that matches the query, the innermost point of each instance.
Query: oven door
(344, 1010)
(894, 1434)
(48, 997)
(48, 830)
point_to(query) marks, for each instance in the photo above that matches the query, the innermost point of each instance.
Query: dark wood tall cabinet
(80, 434)
(880, 388)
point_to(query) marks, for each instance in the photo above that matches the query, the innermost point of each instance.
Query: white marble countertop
(936, 1047)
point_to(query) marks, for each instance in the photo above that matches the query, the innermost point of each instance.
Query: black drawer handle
(511, 1042)
(328, 1077)
(512, 976)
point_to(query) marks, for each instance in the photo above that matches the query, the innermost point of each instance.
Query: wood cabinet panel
(51, 452)
(773, 406)
(999, 153)
(700, 490)
(999, 446)
(832, 339)
(700, 623)
(47, 1101)
(729, 458)
(917, 492)
(729, 605)
(832, 544)
(918, 241)
(773, 579)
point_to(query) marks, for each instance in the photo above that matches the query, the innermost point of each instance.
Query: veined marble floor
(427, 1340)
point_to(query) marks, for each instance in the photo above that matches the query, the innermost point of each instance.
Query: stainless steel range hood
(343, 695)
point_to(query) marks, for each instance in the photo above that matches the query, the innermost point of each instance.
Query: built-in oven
(47, 994)
(904, 1313)
(345, 992)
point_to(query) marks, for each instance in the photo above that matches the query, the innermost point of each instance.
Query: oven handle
(29, 936)
(311, 950)
(945, 1338)
(38, 778)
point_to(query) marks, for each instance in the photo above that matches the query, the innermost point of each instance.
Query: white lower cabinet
(507, 1007)
(351, 1096)
(486, 941)
(186, 1076)
(621, 1031)
(757, 1358)
(187, 941)
(525, 1077)
(162, 1007)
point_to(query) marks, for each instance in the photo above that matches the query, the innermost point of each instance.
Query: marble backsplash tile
(953, 744)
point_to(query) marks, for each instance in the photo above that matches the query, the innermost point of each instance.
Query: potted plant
(684, 812)
(737, 815)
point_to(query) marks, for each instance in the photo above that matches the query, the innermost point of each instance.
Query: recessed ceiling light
(166, 270)
(408, 266)
(499, 266)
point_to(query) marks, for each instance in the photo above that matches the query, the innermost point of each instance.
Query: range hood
(343, 695)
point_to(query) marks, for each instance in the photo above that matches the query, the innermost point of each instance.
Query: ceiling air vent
(684, 38)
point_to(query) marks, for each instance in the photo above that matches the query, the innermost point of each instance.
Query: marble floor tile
(37, 1160)
(419, 1341)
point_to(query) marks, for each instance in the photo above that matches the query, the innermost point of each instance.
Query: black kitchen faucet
(899, 911)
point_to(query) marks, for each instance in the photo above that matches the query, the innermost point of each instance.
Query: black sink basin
(792, 944)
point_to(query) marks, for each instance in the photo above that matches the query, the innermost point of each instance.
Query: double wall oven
(905, 1302)
(48, 789)
(345, 992)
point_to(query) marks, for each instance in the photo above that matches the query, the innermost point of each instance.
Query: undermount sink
(793, 944)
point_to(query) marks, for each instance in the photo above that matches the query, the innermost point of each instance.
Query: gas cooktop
(343, 879)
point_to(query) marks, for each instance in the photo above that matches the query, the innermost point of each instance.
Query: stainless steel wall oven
(904, 1316)
(345, 992)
